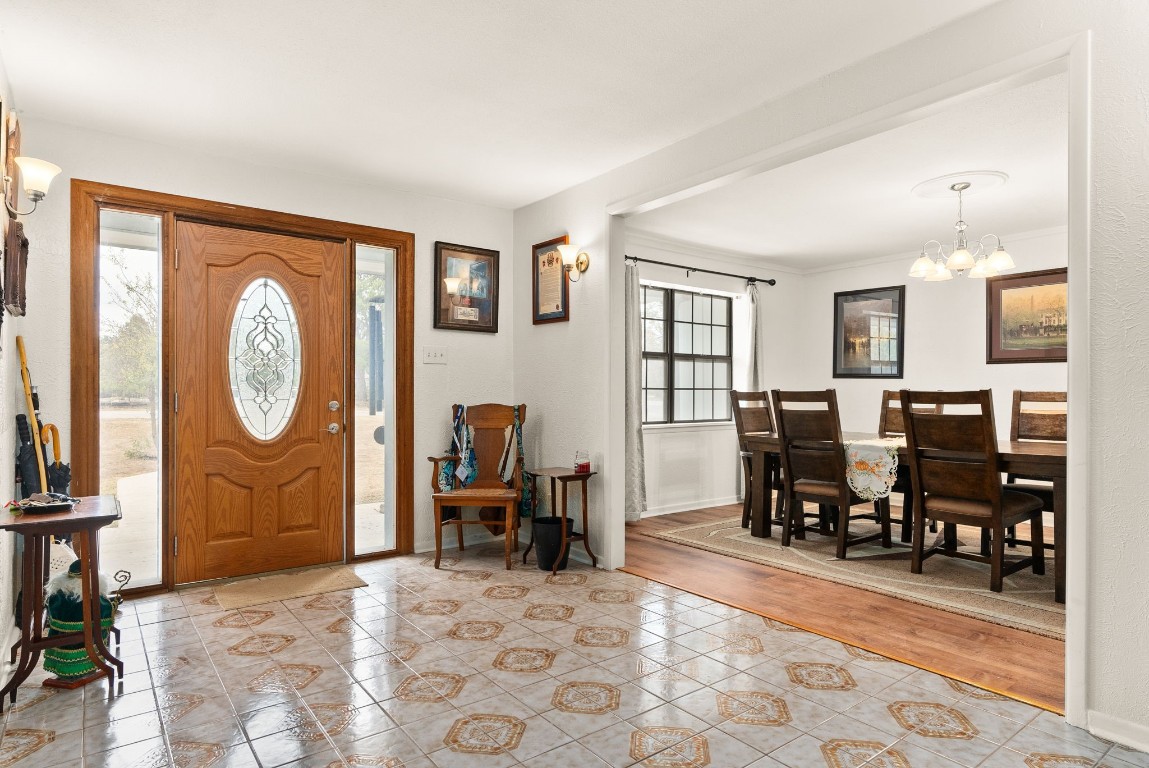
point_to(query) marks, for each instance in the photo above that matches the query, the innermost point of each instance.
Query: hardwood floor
(1008, 661)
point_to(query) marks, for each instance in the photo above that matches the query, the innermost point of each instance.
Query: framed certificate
(551, 297)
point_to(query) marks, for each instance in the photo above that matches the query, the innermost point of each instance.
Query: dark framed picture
(1025, 317)
(466, 288)
(550, 285)
(869, 333)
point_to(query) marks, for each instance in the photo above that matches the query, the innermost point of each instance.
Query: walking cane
(33, 422)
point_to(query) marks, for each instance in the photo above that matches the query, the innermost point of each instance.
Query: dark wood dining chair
(954, 463)
(891, 424)
(752, 414)
(493, 440)
(814, 469)
(1046, 425)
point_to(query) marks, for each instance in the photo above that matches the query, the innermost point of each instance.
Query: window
(686, 365)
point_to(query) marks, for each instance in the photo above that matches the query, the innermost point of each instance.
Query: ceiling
(855, 203)
(501, 102)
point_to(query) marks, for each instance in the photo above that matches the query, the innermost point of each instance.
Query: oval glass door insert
(264, 358)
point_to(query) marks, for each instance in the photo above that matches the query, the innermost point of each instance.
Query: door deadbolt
(333, 405)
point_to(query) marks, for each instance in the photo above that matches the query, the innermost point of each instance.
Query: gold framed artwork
(1026, 317)
(550, 295)
(466, 288)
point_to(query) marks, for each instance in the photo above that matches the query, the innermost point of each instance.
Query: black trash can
(548, 542)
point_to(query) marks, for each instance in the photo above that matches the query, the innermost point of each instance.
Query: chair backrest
(1038, 423)
(493, 439)
(890, 421)
(953, 454)
(810, 436)
(751, 411)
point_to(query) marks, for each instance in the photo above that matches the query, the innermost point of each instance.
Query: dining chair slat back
(891, 423)
(751, 411)
(1038, 424)
(752, 414)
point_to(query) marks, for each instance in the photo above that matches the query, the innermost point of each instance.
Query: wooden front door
(258, 381)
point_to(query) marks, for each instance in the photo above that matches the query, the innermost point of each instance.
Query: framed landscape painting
(869, 333)
(1026, 317)
(466, 288)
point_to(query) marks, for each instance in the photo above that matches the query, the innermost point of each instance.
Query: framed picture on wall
(869, 333)
(466, 288)
(550, 295)
(1026, 316)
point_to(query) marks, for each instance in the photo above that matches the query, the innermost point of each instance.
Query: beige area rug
(947, 583)
(269, 589)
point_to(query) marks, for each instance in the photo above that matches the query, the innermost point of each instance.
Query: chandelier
(979, 263)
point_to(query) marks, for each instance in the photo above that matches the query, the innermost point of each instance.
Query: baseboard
(1124, 732)
(689, 505)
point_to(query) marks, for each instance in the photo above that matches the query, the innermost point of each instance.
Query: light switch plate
(434, 355)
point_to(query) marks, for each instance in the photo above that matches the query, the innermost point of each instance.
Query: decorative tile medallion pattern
(445, 562)
(475, 630)
(436, 607)
(470, 575)
(485, 734)
(850, 753)
(566, 579)
(549, 612)
(506, 592)
(932, 719)
(18, 743)
(165, 667)
(753, 708)
(690, 750)
(820, 677)
(779, 626)
(611, 596)
(972, 692)
(602, 637)
(327, 602)
(192, 754)
(285, 678)
(258, 645)
(588, 698)
(173, 706)
(1053, 760)
(743, 644)
(864, 655)
(524, 660)
(430, 686)
(344, 626)
(248, 617)
(27, 703)
(402, 650)
(210, 600)
(364, 760)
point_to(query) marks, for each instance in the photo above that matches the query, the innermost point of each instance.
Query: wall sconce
(574, 261)
(452, 285)
(37, 176)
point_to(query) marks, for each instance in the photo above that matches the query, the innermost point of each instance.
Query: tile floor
(477, 666)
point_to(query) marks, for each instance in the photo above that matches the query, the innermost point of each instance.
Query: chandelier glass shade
(979, 263)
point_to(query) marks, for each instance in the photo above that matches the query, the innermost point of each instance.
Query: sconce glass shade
(37, 176)
(569, 254)
(922, 267)
(940, 272)
(961, 259)
(452, 284)
(1000, 260)
(983, 268)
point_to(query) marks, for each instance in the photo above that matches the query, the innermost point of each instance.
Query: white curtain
(635, 485)
(755, 381)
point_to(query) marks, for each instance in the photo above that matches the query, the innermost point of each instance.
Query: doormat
(270, 589)
(949, 584)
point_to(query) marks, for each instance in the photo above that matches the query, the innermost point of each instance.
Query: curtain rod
(747, 278)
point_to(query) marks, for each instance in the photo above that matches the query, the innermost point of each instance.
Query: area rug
(269, 589)
(946, 583)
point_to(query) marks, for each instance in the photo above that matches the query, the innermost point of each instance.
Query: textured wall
(11, 403)
(479, 367)
(1116, 634)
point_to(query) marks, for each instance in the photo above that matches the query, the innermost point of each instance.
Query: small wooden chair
(891, 424)
(1045, 424)
(752, 414)
(814, 468)
(954, 464)
(493, 440)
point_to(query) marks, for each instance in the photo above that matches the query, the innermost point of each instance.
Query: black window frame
(669, 356)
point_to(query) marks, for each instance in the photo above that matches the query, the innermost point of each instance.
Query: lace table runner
(872, 465)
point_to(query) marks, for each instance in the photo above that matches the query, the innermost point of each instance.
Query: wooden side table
(563, 475)
(84, 523)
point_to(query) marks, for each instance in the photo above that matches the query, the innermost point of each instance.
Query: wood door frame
(88, 198)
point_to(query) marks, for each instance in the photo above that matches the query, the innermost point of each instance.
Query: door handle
(333, 428)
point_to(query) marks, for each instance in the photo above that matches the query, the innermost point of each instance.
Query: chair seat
(1043, 492)
(1015, 506)
(816, 488)
(486, 494)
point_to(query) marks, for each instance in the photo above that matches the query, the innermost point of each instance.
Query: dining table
(1029, 458)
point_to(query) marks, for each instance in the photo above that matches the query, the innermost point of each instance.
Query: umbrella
(26, 459)
(59, 475)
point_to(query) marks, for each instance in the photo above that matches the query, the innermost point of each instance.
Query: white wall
(11, 403)
(1108, 664)
(479, 364)
(945, 334)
